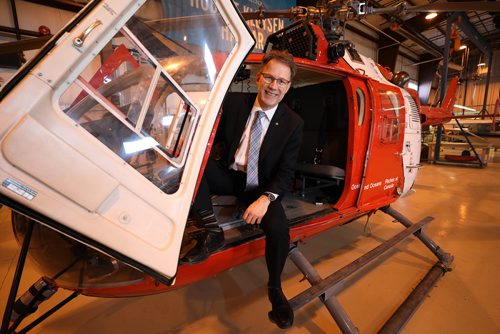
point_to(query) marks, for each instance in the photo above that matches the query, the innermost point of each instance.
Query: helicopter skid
(326, 288)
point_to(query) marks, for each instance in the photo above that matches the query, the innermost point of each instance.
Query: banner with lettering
(260, 32)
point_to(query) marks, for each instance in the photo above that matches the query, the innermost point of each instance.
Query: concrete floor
(464, 202)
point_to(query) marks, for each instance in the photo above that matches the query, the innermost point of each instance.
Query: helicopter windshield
(142, 96)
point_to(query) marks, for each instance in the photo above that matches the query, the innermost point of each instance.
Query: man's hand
(254, 213)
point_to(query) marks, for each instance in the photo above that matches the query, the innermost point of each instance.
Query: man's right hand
(255, 211)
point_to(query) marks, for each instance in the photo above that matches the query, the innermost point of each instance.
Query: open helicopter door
(383, 175)
(104, 137)
(359, 136)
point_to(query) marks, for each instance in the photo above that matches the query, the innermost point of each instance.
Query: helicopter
(101, 163)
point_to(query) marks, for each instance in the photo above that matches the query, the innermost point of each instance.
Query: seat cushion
(321, 171)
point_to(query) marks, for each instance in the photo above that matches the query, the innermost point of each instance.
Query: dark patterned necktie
(253, 152)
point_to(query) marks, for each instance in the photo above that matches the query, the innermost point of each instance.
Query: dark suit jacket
(280, 147)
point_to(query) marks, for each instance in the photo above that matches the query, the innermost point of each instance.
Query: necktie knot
(259, 114)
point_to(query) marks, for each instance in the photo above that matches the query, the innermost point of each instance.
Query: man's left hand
(254, 213)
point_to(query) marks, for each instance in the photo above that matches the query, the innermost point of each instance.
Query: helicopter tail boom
(438, 115)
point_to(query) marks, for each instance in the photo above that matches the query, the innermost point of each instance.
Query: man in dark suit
(261, 139)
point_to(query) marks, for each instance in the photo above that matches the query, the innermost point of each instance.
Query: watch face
(272, 197)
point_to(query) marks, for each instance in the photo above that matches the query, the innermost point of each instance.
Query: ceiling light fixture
(463, 47)
(481, 64)
(430, 16)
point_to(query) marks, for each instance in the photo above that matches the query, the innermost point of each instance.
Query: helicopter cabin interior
(107, 101)
(320, 99)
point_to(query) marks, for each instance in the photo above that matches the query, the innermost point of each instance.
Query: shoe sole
(218, 248)
(204, 258)
(273, 320)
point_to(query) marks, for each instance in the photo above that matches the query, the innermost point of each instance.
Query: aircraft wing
(103, 134)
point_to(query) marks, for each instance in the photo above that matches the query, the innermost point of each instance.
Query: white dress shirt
(241, 155)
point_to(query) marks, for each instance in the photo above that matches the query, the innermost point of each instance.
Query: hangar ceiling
(418, 34)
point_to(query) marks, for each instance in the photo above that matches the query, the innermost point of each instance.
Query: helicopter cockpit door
(384, 173)
(104, 138)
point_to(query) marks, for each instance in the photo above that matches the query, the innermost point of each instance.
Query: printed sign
(19, 189)
(260, 29)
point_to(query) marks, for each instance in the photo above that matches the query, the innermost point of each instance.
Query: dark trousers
(219, 180)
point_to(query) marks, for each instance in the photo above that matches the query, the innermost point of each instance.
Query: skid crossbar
(325, 288)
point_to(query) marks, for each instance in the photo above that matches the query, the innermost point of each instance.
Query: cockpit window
(190, 44)
(143, 94)
(361, 105)
(391, 114)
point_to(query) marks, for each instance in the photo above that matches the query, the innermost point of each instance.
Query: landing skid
(28, 303)
(326, 288)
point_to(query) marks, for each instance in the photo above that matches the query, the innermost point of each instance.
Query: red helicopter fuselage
(361, 151)
(374, 175)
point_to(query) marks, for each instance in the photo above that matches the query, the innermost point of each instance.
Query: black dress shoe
(281, 313)
(212, 241)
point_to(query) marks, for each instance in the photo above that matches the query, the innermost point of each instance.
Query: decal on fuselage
(388, 184)
(19, 189)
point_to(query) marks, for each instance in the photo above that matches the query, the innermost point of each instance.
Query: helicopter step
(325, 289)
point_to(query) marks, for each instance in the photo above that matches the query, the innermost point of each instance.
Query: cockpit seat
(321, 175)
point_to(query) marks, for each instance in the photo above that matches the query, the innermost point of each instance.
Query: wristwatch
(272, 197)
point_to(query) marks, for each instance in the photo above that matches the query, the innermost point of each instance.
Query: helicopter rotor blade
(284, 14)
(403, 8)
(488, 6)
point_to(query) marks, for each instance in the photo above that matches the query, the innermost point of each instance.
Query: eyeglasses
(268, 78)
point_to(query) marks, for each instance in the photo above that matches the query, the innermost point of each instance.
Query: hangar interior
(458, 184)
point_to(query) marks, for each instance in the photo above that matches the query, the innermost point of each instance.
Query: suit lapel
(240, 124)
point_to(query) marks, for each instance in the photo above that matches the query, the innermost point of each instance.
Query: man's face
(273, 82)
